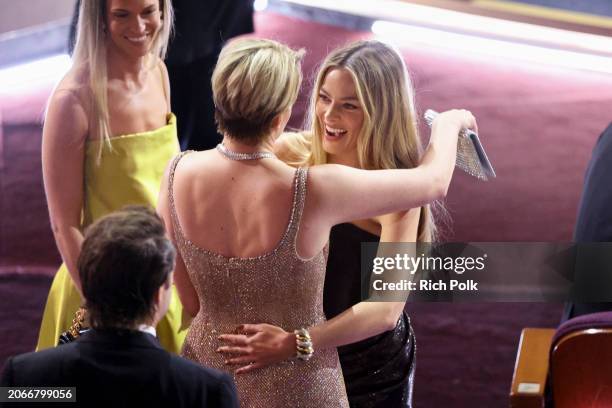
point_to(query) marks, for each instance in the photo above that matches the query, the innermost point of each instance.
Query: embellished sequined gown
(278, 288)
(378, 371)
(128, 172)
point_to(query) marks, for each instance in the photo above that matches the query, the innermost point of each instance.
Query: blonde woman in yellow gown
(107, 138)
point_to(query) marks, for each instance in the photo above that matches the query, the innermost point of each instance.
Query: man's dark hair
(124, 260)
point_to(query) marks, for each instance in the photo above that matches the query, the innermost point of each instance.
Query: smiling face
(340, 115)
(132, 25)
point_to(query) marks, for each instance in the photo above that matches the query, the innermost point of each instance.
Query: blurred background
(536, 73)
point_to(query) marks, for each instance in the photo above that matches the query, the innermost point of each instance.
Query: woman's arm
(336, 192)
(186, 291)
(264, 344)
(369, 318)
(336, 195)
(63, 152)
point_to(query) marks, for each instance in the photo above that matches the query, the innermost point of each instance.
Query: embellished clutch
(471, 156)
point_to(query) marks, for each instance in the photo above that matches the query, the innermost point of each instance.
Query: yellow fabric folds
(129, 172)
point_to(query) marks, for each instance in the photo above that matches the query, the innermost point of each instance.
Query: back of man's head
(124, 261)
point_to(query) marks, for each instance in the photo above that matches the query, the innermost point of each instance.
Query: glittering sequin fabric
(278, 288)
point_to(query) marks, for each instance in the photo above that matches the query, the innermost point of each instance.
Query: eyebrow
(346, 98)
(149, 7)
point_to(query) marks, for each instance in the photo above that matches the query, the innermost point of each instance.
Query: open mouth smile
(138, 39)
(334, 133)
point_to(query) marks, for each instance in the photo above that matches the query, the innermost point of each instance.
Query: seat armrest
(531, 368)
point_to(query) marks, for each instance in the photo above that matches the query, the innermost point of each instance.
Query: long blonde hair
(389, 136)
(90, 53)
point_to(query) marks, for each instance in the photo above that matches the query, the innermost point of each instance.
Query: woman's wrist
(303, 344)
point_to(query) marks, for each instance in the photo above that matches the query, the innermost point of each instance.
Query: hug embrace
(267, 225)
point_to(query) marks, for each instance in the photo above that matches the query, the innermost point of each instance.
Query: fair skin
(137, 102)
(238, 207)
(339, 110)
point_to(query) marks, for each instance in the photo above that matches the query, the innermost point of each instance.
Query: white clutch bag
(471, 156)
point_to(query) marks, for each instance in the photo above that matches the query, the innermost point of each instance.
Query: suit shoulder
(27, 368)
(47, 355)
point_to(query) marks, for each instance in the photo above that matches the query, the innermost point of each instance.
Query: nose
(138, 24)
(331, 111)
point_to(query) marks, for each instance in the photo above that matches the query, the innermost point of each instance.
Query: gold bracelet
(77, 323)
(303, 345)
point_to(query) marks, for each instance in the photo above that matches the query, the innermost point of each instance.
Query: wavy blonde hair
(90, 53)
(389, 136)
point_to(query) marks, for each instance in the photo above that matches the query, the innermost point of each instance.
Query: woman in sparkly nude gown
(252, 231)
(363, 115)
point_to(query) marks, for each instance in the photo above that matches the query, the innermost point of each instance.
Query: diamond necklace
(244, 156)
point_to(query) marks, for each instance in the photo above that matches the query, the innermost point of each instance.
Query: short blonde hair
(254, 81)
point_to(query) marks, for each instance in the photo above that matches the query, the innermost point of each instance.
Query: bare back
(250, 276)
(233, 208)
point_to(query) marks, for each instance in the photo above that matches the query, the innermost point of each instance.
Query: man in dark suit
(125, 267)
(201, 30)
(594, 224)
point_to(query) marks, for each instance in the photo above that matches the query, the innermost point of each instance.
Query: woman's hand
(257, 346)
(459, 118)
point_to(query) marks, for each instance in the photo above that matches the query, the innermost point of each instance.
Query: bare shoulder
(293, 148)
(289, 138)
(193, 162)
(165, 79)
(182, 163)
(72, 94)
(67, 109)
(161, 65)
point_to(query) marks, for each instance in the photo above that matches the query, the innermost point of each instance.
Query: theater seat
(576, 359)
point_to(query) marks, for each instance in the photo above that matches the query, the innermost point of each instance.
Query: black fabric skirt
(379, 371)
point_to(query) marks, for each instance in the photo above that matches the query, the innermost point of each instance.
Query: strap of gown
(301, 178)
(176, 225)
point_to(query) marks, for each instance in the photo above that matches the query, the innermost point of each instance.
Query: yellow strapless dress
(129, 173)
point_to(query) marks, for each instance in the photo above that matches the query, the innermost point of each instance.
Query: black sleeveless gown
(378, 371)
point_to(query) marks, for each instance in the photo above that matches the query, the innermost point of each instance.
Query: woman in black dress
(376, 131)
(363, 115)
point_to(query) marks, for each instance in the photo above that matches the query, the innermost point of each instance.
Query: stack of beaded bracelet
(303, 343)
